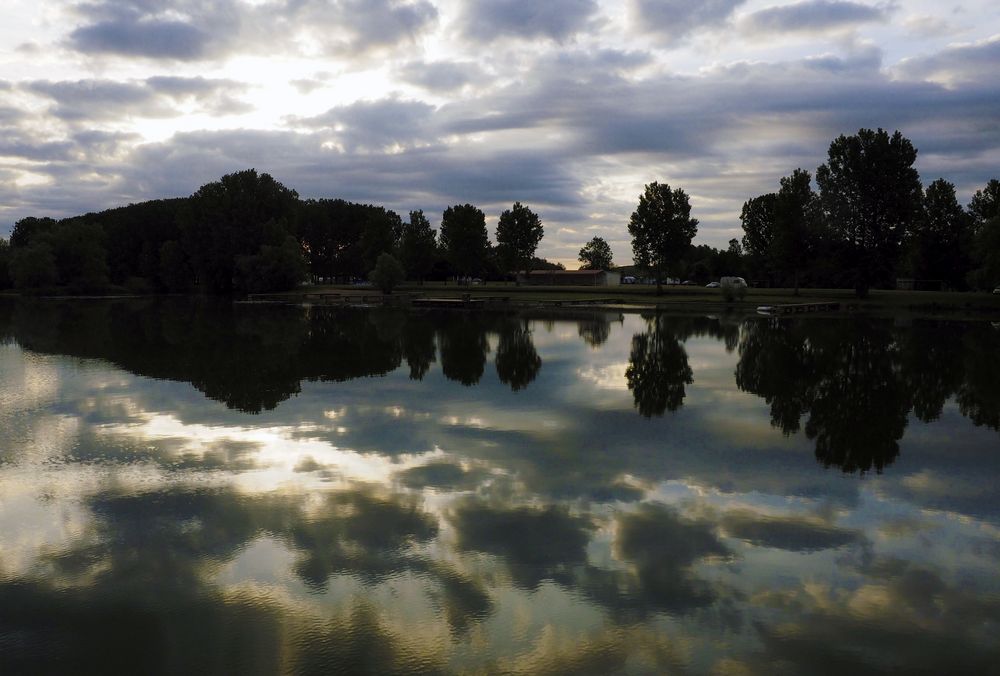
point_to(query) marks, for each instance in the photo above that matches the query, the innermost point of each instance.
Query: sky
(568, 106)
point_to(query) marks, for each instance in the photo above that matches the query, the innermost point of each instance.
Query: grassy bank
(700, 298)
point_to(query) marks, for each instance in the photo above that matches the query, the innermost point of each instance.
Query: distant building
(570, 278)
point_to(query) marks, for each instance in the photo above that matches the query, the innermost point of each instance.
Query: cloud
(814, 16)
(153, 39)
(441, 76)
(970, 63)
(673, 20)
(488, 20)
(375, 124)
(792, 533)
(535, 543)
(157, 97)
(187, 30)
(100, 99)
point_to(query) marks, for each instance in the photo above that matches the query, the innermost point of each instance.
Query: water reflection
(252, 358)
(858, 380)
(397, 505)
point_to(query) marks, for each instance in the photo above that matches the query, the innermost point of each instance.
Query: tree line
(870, 222)
(249, 233)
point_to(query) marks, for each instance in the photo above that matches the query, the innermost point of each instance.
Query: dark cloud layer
(187, 30)
(487, 20)
(673, 20)
(814, 16)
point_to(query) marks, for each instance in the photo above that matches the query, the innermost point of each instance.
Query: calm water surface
(206, 488)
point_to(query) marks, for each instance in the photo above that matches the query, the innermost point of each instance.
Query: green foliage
(418, 247)
(871, 196)
(27, 230)
(5, 280)
(175, 274)
(380, 234)
(757, 218)
(985, 204)
(81, 259)
(463, 238)
(658, 369)
(596, 255)
(661, 228)
(941, 240)
(274, 268)
(33, 266)
(796, 212)
(231, 219)
(986, 276)
(518, 233)
(517, 361)
(388, 273)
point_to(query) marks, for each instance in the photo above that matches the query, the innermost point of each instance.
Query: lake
(201, 487)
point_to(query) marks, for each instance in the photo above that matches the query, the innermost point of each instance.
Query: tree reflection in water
(857, 381)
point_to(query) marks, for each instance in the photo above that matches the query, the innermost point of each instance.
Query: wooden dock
(797, 308)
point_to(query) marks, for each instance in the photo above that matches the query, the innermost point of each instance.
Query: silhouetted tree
(231, 218)
(418, 345)
(985, 204)
(846, 376)
(380, 234)
(979, 394)
(985, 211)
(594, 331)
(418, 248)
(175, 272)
(33, 266)
(757, 219)
(463, 346)
(661, 229)
(942, 238)
(871, 196)
(519, 231)
(795, 214)
(5, 280)
(27, 229)
(658, 369)
(275, 268)
(388, 273)
(517, 361)
(596, 255)
(463, 238)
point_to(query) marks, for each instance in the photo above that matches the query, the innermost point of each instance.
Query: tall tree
(984, 207)
(380, 234)
(596, 255)
(5, 280)
(795, 211)
(28, 229)
(463, 238)
(757, 219)
(518, 233)
(941, 241)
(234, 217)
(871, 195)
(661, 229)
(418, 246)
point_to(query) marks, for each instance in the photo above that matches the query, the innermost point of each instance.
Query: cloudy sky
(570, 106)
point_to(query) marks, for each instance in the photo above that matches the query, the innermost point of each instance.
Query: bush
(388, 273)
